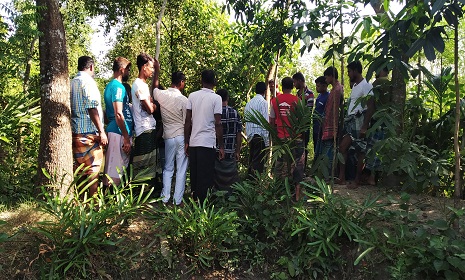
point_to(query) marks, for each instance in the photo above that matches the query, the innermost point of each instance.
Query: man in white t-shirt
(359, 112)
(173, 112)
(201, 131)
(144, 157)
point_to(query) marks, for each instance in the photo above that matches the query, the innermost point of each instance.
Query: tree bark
(458, 186)
(55, 151)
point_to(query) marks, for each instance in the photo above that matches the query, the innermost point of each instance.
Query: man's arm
(238, 145)
(148, 106)
(368, 114)
(94, 116)
(187, 130)
(219, 135)
(119, 117)
(156, 74)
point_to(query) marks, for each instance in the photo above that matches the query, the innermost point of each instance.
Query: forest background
(41, 40)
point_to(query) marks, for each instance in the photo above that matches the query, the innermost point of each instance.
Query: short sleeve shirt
(359, 90)
(173, 111)
(204, 103)
(281, 106)
(84, 95)
(143, 121)
(309, 97)
(116, 92)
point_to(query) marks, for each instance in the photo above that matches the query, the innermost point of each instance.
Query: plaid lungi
(144, 157)
(87, 151)
(352, 126)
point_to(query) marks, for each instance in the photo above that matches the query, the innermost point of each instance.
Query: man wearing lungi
(226, 169)
(357, 121)
(144, 156)
(87, 122)
(120, 124)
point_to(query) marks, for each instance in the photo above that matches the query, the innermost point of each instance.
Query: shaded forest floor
(139, 254)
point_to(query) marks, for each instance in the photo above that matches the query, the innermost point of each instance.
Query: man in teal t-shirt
(119, 129)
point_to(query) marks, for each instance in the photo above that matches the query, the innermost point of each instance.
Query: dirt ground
(18, 256)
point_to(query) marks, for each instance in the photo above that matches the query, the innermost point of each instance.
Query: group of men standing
(202, 130)
(191, 127)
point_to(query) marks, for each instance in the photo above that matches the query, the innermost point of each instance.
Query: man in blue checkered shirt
(87, 122)
(226, 169)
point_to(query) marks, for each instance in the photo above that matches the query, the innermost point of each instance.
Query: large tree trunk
(55, 152)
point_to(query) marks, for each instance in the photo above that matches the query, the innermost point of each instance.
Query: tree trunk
(458, 186)
(399, 92)
(55, 151)
(270, 92)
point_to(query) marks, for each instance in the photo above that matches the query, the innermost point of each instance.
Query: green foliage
(202, 232)
(299, 121)
(431, 250)
(81, 226)
(323, 228)
(19, 133)
(264, 209)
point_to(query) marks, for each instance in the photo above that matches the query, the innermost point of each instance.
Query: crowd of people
(204, 133)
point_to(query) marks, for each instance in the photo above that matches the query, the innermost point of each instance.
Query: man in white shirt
(201, 131)
(356, 123)
(173, 112)
(257, 136)
(144, 157)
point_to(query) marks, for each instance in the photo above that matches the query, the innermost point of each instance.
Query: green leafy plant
(264, 210)
(202, 232)
(79, 225)
(324, 228)
(415, 249)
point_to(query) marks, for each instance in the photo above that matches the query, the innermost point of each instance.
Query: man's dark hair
(355, 66)
(142, 59)
(177, 77)
(299, 76)
(84, 62)
(331, 72)
(321, 80)
(260, 88)
(208, 77)
(120, 62)
(287, 83)
(224, 94)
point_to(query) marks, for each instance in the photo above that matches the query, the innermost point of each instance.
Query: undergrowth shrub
(421, 250)
(329, 232)
(264, 208)
(81, 228)
(202, 233)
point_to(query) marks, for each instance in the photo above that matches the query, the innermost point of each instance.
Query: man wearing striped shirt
(257, 136)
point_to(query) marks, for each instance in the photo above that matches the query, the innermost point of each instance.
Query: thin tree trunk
(160, 18)
(270, 92)
(458, 187)
(55, 151)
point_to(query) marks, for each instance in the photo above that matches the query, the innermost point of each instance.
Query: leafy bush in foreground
(80, 227)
